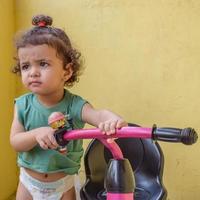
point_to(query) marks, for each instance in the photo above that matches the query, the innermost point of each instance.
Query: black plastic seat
(146, 159)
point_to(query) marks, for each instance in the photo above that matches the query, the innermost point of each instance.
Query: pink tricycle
(132, 165)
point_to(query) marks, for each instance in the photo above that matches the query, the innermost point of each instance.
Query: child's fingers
(112, 128)
(43, 145)
(47, 141)
(101, 127)
(53, 143)
(108, 128)
(111, 140)
(121, 123)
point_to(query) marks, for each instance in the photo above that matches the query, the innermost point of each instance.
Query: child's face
(42, 70)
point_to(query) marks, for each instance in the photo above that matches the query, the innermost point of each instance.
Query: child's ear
(68, 71)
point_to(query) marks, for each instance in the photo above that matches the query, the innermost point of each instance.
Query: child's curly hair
(56, 38)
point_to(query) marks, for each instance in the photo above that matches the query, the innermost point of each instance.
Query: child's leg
(23, 193)
(69, 195)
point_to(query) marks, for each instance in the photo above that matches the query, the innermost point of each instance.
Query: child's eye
(44, 64)
(24, 67)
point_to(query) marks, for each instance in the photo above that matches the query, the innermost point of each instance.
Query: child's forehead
(36, 51)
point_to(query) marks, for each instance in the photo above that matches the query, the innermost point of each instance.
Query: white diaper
(46, 190)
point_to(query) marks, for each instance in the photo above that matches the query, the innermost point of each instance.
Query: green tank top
(32, 115)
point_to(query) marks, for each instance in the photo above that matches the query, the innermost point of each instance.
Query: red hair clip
(41, 21)
(41, 24)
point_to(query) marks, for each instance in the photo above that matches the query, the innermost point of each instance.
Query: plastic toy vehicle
(119, 179)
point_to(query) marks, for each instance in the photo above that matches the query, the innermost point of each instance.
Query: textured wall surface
(8, 170)
(142, 61)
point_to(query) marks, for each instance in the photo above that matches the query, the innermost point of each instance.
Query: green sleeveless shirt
(32, 115)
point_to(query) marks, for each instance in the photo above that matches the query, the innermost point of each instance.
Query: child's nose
(34, 72)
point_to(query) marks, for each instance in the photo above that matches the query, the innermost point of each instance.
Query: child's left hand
(105, 120)
(109, 127)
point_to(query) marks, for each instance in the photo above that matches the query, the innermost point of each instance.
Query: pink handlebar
(186, 136)
(125, 132)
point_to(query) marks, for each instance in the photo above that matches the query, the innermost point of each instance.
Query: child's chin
(36, 91)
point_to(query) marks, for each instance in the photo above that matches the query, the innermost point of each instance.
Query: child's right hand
(45, 138)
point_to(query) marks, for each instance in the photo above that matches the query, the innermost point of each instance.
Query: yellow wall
(141, 61)
(8, 170)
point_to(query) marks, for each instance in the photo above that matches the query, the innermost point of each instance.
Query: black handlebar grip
(186, 136)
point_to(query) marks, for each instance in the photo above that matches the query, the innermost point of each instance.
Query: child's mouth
(35, 83)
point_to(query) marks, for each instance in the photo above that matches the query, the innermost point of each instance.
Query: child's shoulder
(69, 94)
(25, 97)
(71, 97)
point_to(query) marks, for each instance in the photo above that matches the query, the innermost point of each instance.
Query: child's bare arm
(22, 140)
(106, 120)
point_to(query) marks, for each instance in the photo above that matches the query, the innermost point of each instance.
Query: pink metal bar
(125, 132)
(113, 148)
(116, 196)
